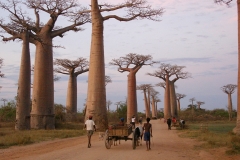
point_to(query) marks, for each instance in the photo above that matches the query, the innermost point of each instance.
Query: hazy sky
(200, 35)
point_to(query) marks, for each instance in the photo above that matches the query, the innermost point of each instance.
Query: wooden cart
(120, 133)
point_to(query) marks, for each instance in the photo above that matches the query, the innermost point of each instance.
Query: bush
(8, 114)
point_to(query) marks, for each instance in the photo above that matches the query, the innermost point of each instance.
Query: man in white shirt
(90, 127)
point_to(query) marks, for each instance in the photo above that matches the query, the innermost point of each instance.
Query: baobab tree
(136, 61)
(164, 72)
(108, 105)
(42, 114)
(179, 74)
(154, 94)
(227, 2)
(229, 90)
(134, 9)
(156, 101)
(199, 103)
(178, 97)
(192, 106)
(144, 88)
(4, 100)
(73, 68)
(118, 104)
(1, 64)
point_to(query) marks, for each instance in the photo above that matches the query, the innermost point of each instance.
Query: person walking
(90, 127)
(169, 123)
(147, 128)
(133, 121)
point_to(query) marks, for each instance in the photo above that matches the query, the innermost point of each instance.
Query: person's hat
(122, 119)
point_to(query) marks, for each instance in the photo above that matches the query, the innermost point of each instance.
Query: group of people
(174, 121)
(145, 129)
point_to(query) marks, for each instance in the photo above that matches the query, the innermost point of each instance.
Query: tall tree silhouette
(179, 96)
(73, 68)
(42, 34)
(227, 2)
(164, 72)
(199, 103)
(134, 9)
(135, 61)
(1, 64)
(229, 90)
(144, 88)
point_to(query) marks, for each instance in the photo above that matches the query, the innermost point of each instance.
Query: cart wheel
(108, 140)
(134, 140)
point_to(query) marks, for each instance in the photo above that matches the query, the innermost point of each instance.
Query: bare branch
(132, 59)
(1, 64)
(180, 96)
(107, 80)
(69, 67)
(229, 89)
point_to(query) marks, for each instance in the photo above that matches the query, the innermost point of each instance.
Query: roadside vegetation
(213, 128)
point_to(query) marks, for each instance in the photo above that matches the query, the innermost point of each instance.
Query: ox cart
(115, 133)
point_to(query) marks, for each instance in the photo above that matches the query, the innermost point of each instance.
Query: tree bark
(96, 96)
(149, 102)
(24, 87)
(132, 96)
(146, 104)
(178, 105)
(230, 106)
(237, 128)
(42, 115)
(173, 100)
(167, 107)
(153, 108)
(71, 103)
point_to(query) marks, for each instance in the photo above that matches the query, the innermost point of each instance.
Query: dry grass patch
(10, 137)
(215, 134)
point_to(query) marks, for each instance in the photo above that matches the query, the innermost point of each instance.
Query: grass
(214, 134)
(10, 137)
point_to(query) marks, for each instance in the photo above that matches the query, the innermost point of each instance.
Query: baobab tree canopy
(41, 35)
(132, 63)
(229, 89)
(132, 9)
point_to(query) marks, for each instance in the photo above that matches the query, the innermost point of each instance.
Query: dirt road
(166, 146)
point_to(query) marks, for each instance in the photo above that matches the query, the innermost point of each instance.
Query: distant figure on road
(90, 127)
(169, 122)
(147, 128)
(182, 123)
(133, 121)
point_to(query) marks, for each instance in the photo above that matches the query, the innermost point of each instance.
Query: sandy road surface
(166, 146)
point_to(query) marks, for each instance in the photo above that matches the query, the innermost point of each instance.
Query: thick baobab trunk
(149, 102)
(71, 103)
(167, 107)
(156, 110)
(146, 104)
(237, 128)
(96, 96)
(178, 105)
(230, 106)
(24, 87)
(153, 109)
(173, 100)
(132, 97)
(42, 115)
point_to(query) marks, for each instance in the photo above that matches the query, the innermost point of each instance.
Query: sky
(200, 35)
